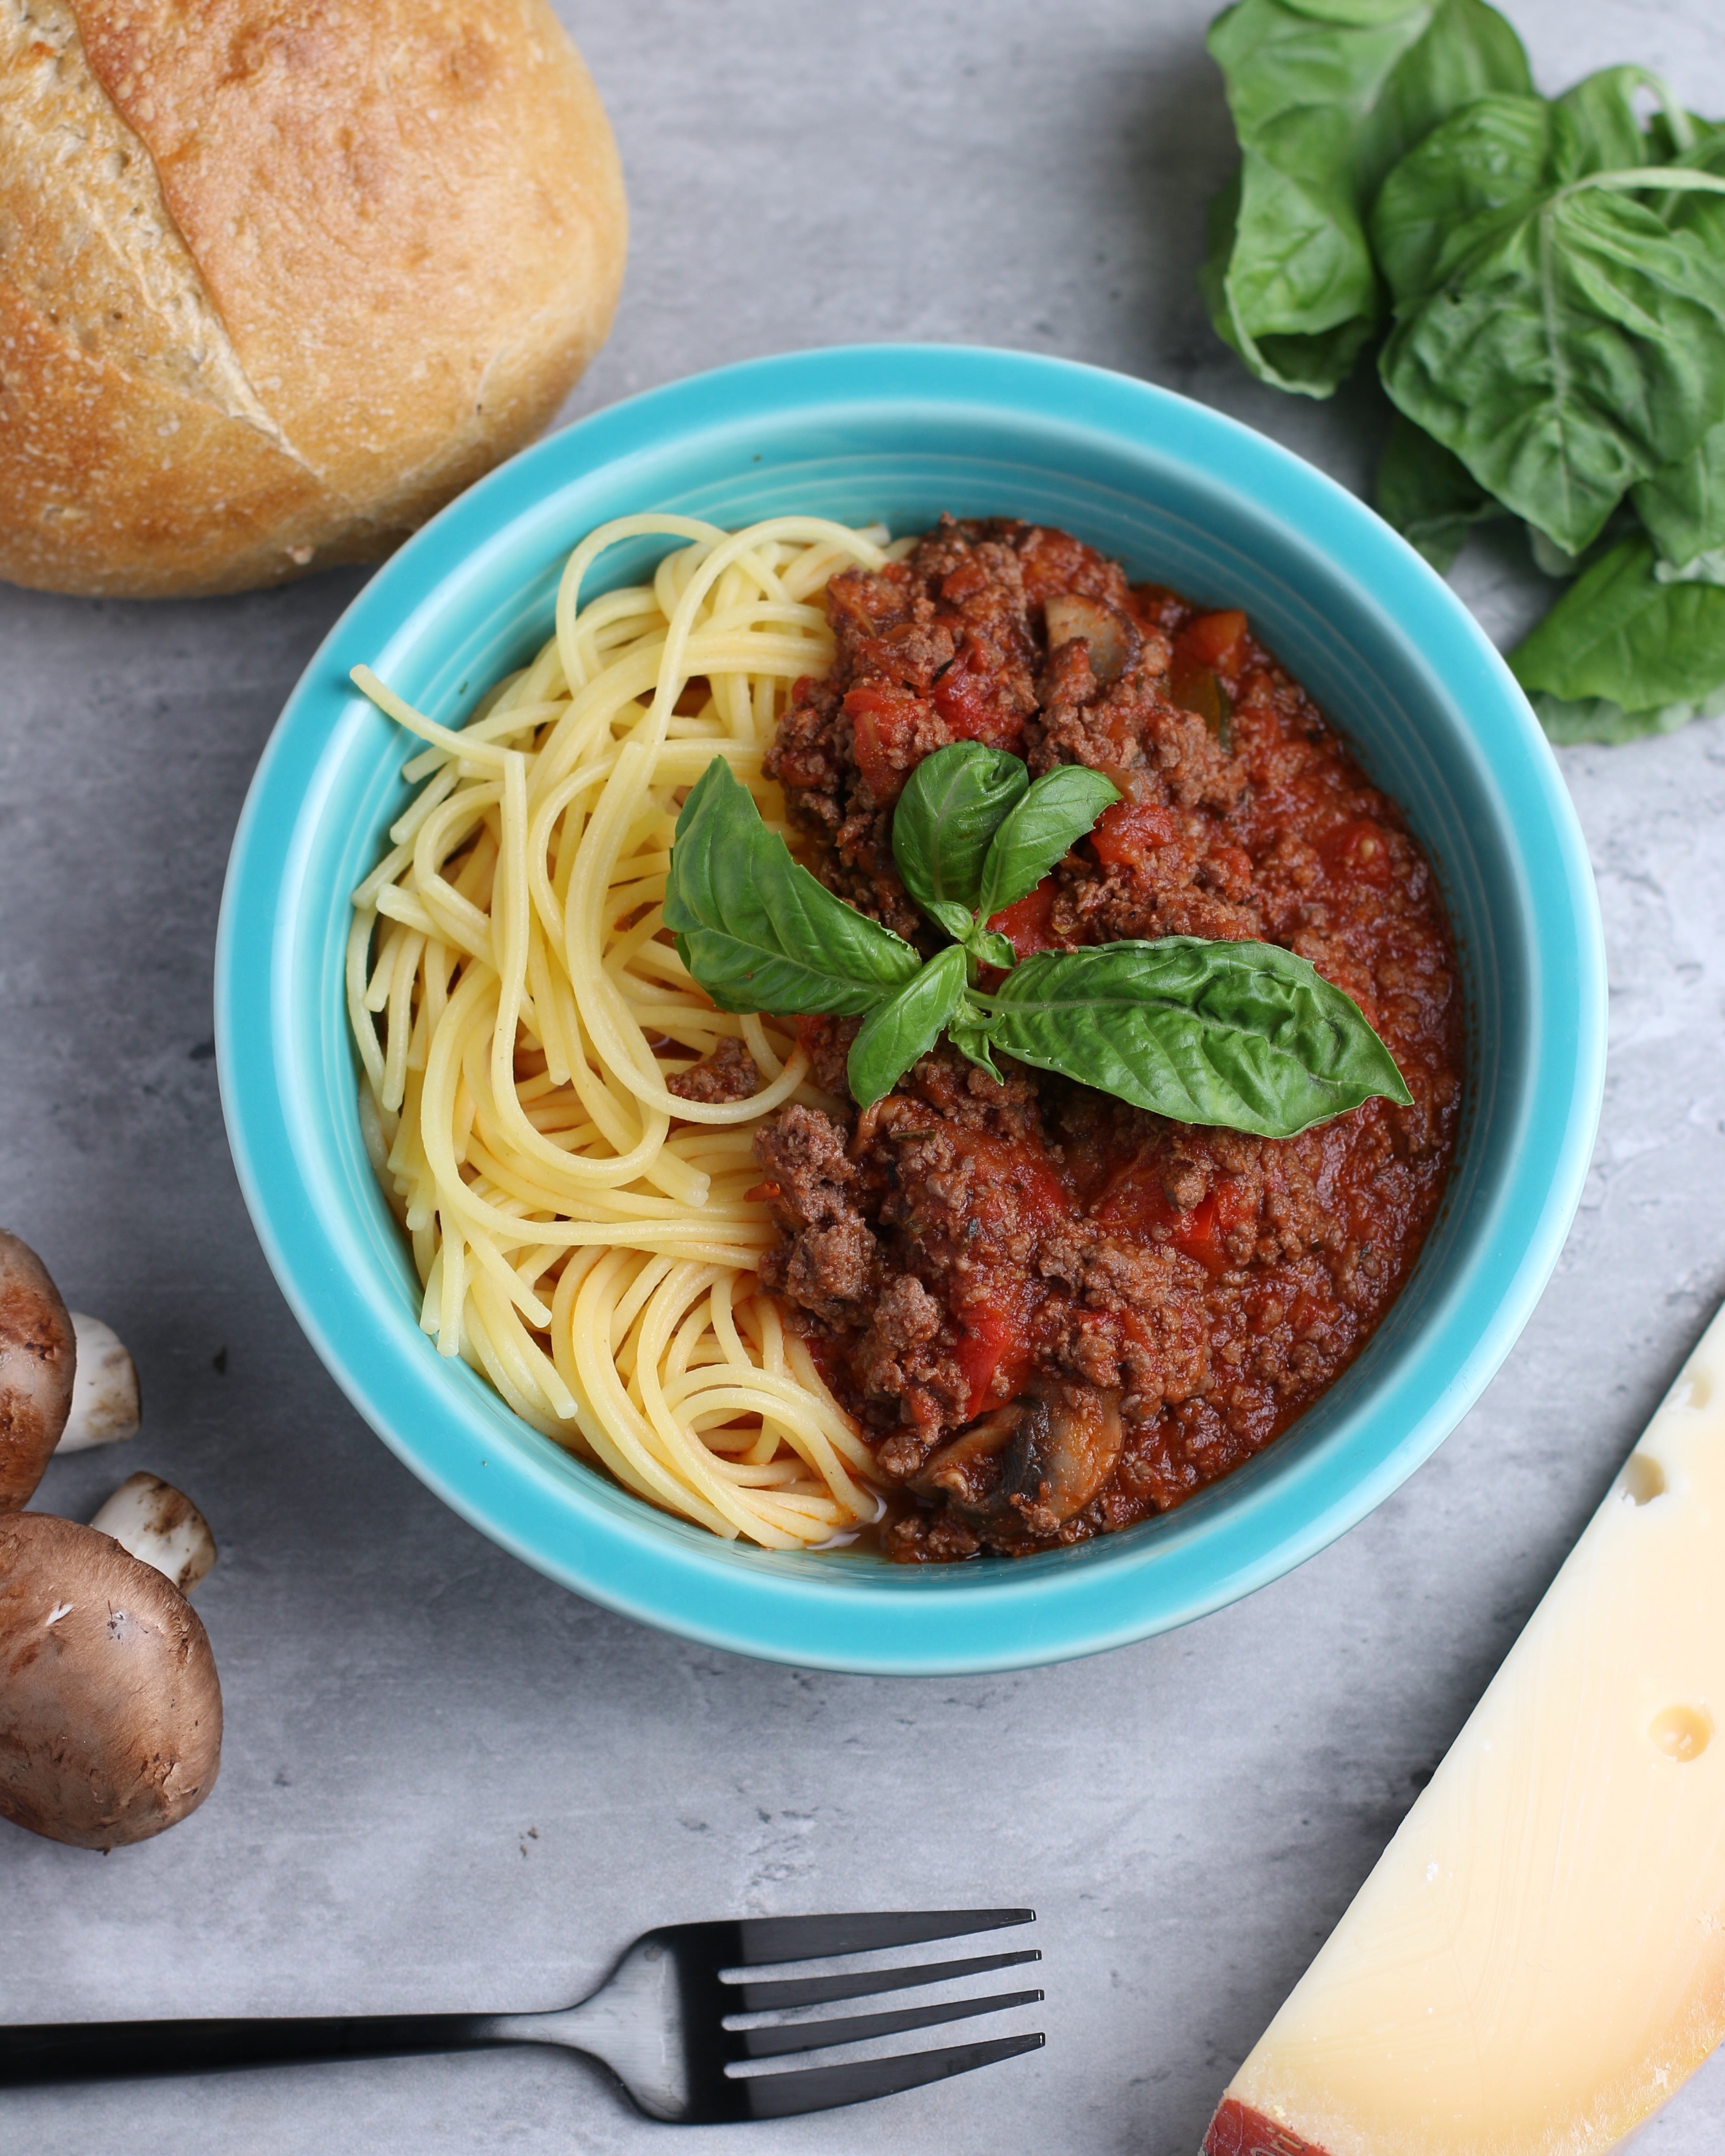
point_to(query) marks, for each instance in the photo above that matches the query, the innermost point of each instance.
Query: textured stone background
(448, 1784)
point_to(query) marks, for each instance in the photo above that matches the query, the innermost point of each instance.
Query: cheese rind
(1236, 2130)
(1538, 1960)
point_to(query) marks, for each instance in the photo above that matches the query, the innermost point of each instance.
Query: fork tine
(810, 1939)
(824, 2088)
(782, 1991)
(857, 2028)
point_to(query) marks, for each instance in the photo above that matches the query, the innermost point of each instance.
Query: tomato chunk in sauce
(1053, 1313)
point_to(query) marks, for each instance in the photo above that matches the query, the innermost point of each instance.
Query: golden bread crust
(278, 277)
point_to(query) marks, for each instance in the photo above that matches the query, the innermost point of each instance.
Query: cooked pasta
(583, 1235)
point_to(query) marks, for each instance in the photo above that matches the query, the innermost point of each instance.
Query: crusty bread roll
(279, 277)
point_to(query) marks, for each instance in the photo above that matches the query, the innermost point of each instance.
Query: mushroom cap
(110, 1709)
(38, 1358)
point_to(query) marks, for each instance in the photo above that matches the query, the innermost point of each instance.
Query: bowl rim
(822, 1612)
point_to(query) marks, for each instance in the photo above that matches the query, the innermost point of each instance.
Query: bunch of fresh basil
(1551, 273)
(1242, 1034)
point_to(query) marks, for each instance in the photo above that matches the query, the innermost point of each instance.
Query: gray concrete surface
(448, 1783)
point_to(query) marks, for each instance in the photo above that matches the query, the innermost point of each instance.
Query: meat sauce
(1053, 1312)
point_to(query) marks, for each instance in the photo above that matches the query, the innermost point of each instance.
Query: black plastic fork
(659, 2022)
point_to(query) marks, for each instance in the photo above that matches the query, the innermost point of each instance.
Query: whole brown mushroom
(38, 1360)
(110, 1709)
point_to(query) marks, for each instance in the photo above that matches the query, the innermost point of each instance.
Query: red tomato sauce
(1053, 1313)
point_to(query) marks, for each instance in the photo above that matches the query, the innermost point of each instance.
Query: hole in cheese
(1643, 1478)
(1681, 1732)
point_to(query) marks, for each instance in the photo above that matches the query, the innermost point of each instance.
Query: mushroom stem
(104, 1388)
(159, 1525)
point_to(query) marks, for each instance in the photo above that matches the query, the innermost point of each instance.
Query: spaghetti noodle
(583, 1234)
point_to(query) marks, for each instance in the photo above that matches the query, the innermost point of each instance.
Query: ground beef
(730, 1073)
(829, 1263)
(1053, 1312)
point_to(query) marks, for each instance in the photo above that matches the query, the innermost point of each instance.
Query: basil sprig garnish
(1245, 1035)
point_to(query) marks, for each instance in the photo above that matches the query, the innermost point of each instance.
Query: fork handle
(76, 2051)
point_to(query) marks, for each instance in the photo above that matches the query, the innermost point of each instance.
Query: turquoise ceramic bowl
(902, 433)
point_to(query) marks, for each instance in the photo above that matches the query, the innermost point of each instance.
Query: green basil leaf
(988, 948)
(1571, 348)
(1598, 719)
(1428, 495)
(1674, 133)
(1325, 95)
(1355, 14)
(1044, 827)
(758, 932)
(1618, 633)
(954, 919)
(905, 1026)
(1243, 1034)
(1683, 505)
(968, 1034)
(1595, 127)
(1702, 214)
(1311, 363)
(1286, 254)
(1493, 155)
(952, 804)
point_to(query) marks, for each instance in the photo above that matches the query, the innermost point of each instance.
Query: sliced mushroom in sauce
(1051, 1449)
(1115, 642)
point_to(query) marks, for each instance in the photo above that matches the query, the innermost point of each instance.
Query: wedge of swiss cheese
(1539, 1959)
